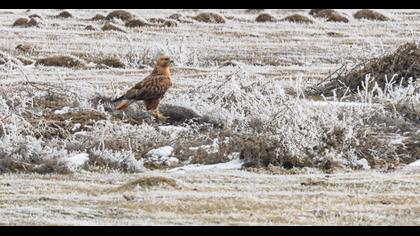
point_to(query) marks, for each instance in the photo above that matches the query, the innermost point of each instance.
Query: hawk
(151, 89)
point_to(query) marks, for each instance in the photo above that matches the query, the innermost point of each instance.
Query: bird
(151, 89)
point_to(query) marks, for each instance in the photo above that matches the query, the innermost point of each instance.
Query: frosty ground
(259, 148)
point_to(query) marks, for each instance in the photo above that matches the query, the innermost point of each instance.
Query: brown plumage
(151, 89)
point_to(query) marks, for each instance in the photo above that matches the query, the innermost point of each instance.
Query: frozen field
(260, 149)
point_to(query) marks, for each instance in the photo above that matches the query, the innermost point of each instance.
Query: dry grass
(329, 14)
(296, 18)
(265, 17)
(209, 17)
(64, 14)
(98, 17)
(147, 182)
(91, 27)
(137, 23)
(405, 62)
(120, 14)
(61, 61)
(370, 15)
(25, 22)
(212, 198)
(110, 27)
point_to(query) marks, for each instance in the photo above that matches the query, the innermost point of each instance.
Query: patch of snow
(62, 110)
(78, 160)
(165, 151)
(363, 163)
(162, 155)
(213, 148)
(413, 165)
(234, 164)
(76, 126)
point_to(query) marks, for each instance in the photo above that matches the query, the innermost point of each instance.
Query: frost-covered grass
(49, 114)
(250, 80)
(210, 197)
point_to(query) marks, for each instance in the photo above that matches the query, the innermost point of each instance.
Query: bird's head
(164, 61)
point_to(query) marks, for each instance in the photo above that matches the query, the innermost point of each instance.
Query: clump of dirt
(296, 18)
(64, 14)
(329, 14)
(90, 27)
(169, 23)
(98, 17)
(370, 15)
(209, 17)
(147, 182)
(405, 62)
(265, 17)
(24, 22)
(137, 23)
(110, 27)
(111, 62)
(61, 61)
(120, 14)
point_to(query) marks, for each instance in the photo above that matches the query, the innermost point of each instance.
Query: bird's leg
(158, 115)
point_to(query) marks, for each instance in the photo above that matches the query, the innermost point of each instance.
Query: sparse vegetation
(370, 15)
(120, 14)
(265, 17)
(297, 19)
(110, 27)
(210, 17)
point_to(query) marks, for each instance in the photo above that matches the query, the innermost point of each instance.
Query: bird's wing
(152, 87)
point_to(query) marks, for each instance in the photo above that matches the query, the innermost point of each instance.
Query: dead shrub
(329, 14)
(98, 17)
(405, 62)
(370, 15)
(110, 27)
(265, 17)
(120, 14)
(52, 101)
(64, 14)
(24, 22)
(296, 18)
(137, 23)
(61, 61)
(209, 17)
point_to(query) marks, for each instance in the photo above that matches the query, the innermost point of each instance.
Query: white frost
(78, 160)
(231, 165)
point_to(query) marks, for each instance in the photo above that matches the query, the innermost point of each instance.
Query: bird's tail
(123, 104)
